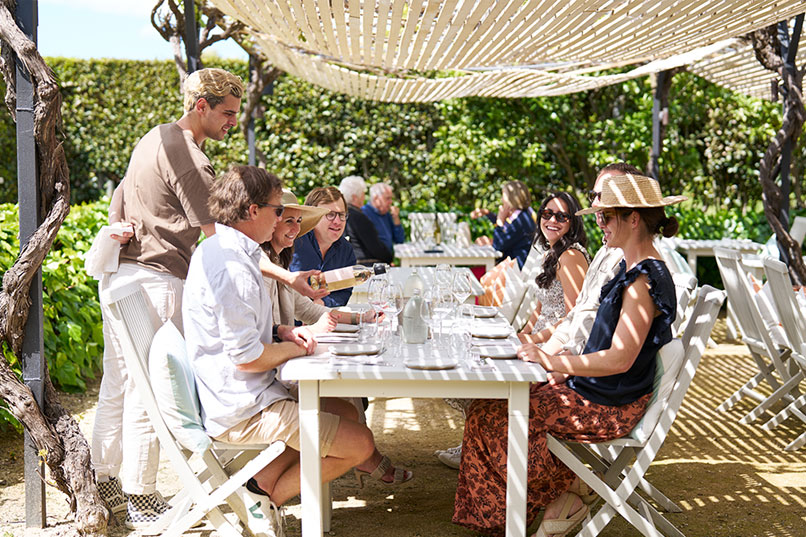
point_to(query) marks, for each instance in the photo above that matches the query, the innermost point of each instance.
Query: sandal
(585, 493)
(398, 476)
(559, 527)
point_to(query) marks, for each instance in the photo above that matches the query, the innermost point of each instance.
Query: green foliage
(72, 315)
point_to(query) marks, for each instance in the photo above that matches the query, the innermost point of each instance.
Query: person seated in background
(601, 394)
(326, 248)
(361, 233)
(561, 235)
(384, 215)
(515, 222)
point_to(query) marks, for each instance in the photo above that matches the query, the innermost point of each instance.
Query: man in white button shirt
(236, 349)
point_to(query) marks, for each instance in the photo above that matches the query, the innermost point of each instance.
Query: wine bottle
(345, 277)
(437, 230)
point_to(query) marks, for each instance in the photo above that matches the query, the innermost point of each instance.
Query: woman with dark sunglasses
(561, 236)
(515, 222)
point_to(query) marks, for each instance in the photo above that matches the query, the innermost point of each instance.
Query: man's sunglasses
(278, 209)
(559, 217)
(331, 216)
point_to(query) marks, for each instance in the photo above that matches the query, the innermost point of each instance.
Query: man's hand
(395, 212)
(478, 213)
(125, 231)
(300, 336)
(326, 323)
(299, 282)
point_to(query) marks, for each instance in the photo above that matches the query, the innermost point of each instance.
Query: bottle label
(337, 275)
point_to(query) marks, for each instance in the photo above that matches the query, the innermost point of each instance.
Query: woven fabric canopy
(427, 50)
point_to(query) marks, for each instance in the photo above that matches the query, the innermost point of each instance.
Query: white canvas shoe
(450, 457)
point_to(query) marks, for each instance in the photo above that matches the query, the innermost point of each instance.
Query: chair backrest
(676, 262)
(675, 380)
(789, 312)
(419, 226)
(131, 313)
(798, 229)
(684, 288)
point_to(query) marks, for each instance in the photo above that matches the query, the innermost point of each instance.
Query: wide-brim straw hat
(632, 191)
(310, 215)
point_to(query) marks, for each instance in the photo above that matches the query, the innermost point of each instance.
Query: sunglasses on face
(278, 209)
(606, 216)
(331, 216)
(593, 195)
(559, 217)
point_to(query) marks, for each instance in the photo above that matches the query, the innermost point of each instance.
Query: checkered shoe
(112, 493)
(143, 510)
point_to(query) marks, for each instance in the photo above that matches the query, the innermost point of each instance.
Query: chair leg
(774, 397)
(785, 414)
(660, 498)
(797, 443)
(747, 389)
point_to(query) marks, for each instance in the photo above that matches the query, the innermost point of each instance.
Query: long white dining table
(413, 254)
(323, 375)
(427, 274)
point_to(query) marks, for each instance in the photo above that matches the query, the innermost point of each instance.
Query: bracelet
(353, 317)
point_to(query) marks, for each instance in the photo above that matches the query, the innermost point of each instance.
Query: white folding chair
(754, 333)
(685, 287)
(421, 226)
(679, 360)
(794, 324)
(226, 467)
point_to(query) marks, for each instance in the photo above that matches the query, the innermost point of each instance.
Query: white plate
(485, 312)
(432, 364)
(355, 349)
(348, 328)
(491, 331)
(498, 352)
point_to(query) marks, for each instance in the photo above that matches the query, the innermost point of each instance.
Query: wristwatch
(275, 333)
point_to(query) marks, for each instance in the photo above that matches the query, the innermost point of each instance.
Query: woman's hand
(529, 352)
(478, 213)
(554, 378)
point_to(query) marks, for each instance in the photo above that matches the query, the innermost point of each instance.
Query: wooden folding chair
(226, 467)
(617, 488)
(794, 324)
(769, 358)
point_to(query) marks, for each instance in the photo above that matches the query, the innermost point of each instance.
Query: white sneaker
(450, 457)
(263, 517)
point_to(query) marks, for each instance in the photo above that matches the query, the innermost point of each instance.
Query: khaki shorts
(280, 421)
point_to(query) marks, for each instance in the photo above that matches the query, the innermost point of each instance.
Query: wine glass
(392, 305)
(376, 296)
(444, 276)
(461, 287)
(442, 306)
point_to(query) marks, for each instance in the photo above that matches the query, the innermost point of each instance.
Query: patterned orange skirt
(556, 409)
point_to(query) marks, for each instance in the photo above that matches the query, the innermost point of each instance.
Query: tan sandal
(585, 493)
(398, 476)
(559, 527)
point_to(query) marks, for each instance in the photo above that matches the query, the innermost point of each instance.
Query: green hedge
(72, 321)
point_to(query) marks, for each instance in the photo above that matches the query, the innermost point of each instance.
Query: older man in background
(384, 215)
(360, 231)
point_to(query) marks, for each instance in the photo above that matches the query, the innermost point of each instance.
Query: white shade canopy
(427, 50)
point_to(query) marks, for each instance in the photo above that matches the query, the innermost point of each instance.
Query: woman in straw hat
(606, 388)
(287, 304)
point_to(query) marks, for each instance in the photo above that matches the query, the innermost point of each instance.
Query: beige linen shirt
(573, 332)
(165, 195)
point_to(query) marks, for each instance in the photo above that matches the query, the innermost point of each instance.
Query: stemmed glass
(461, 287)
(392, 306)
(376, 296)
(442, 306)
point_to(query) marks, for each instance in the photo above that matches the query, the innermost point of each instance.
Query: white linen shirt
(227, 315)
(574, 330)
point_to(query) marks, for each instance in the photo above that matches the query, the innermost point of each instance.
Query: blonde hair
(212, 85)
(517, 194)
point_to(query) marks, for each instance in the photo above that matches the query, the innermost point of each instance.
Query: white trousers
(124, 443)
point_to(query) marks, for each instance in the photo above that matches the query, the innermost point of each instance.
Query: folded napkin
(102, 256)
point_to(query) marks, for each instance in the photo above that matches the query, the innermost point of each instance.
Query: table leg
(517, 452)
(310, 459)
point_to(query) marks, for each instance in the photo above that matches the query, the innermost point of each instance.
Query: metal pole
(33, 363)
(191, 37)
(657, 117)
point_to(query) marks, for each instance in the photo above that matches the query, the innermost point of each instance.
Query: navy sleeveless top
(624, 388)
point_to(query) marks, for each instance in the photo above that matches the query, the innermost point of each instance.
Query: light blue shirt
(226, 311)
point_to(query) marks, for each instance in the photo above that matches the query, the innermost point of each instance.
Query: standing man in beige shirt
(164, 196)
